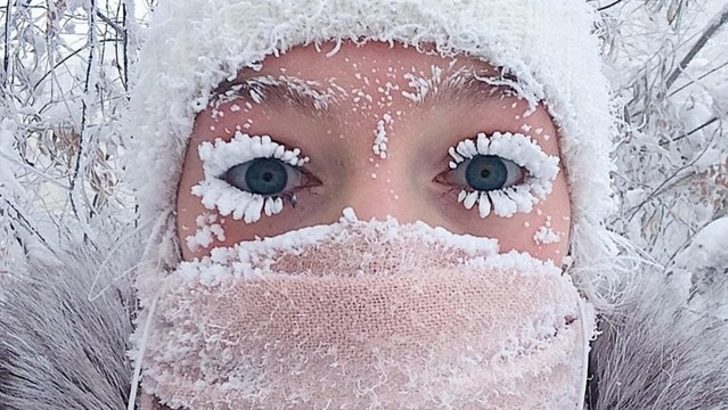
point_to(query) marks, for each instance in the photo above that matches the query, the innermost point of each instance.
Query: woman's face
(338, 109)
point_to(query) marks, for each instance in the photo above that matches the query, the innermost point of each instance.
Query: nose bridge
(380, 182)
(384, 190)
(373, 205)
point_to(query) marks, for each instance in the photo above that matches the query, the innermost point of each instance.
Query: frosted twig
(701, 77)
(91, 297)
(125, 48)
(610, 5)
(137, 375)
(663, 186)
(6, 53)
(715, 24)
(120, 31)
(27, 225)
(84, 106)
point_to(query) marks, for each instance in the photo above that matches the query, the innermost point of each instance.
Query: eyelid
(523, 151)
(221, 155)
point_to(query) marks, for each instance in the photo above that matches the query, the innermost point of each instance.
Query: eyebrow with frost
(463, 86)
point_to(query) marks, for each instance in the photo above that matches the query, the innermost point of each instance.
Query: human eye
(263, 176)
(503, 173)
(250, 176)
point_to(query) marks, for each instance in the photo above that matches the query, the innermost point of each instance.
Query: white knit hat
(548, 45)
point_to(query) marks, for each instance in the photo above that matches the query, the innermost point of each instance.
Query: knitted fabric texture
(332, 315)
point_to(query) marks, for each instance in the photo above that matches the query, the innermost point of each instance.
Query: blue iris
(486, 173)
(262, 176)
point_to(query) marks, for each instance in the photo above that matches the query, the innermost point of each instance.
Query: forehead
(349, 78)
(370, 58)
(316, 91)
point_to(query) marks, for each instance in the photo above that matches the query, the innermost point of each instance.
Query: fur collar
(60, 349)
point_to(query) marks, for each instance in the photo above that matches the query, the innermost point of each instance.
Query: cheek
(544, 232)
(189, 207)
(202, 228)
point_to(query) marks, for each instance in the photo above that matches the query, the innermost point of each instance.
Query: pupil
(266, 176)
(486, 173)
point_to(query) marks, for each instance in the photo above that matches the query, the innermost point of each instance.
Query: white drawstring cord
(585, 362)
(140, 355)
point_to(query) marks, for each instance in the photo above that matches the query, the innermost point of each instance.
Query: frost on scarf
(365, 314)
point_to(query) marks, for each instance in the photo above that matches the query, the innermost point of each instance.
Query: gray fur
(657, 353)
(60, 351)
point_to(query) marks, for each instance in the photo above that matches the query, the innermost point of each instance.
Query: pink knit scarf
(426, 324)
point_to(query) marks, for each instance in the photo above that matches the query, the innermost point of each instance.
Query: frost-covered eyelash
(520, 149)
(219, 157)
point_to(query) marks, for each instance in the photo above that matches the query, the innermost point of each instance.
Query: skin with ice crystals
(219, 157)
(381, 140)
(545, 234)
(339, 141)
(208, 230)
(542, 170)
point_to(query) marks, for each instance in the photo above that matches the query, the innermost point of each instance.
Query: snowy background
(64, 87)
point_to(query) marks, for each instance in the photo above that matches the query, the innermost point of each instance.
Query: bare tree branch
(84, 106)
(26, 224)
(6, 53)
(702, 76)
(125, 48)
(712, 28)
(120, 31)
(608, 6)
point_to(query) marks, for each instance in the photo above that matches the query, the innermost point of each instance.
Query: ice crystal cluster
(218, 157)
(542, 170)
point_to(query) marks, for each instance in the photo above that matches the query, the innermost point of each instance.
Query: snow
(207, 231)
(294, 86)
(707, 248)
(420, 87)
(545, 235)
(484, 205)
(470, 200)
(381, 140)
(251, 259)
(523, 151)
(349, 215)
(503, 205)
(218, 157)
(699, 270)
(8, 127)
